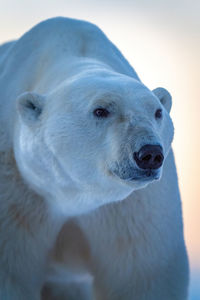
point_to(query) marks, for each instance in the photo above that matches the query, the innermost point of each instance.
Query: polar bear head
(94, 139)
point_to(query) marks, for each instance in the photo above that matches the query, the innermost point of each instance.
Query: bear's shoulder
(4, 48)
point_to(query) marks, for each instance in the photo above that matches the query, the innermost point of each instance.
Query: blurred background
(161, 40)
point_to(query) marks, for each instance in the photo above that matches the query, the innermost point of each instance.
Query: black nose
(149, 157)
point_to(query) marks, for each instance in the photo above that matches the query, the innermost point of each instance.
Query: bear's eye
(158, 114)
(101, 113)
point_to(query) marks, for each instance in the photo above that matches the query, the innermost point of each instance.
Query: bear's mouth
(147, 175)
(138, 175)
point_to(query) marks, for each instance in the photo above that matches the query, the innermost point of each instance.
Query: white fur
(59, 161)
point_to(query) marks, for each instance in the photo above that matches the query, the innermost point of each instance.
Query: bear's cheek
(167, 134)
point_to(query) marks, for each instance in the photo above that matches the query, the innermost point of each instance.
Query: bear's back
(59, 38)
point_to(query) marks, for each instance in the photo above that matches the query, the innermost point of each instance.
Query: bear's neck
(21, 208)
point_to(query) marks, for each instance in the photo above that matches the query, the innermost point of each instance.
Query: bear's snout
(149, 157)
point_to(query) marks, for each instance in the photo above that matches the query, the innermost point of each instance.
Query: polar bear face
(93, 140)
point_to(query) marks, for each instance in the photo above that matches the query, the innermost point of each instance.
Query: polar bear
(79, 133)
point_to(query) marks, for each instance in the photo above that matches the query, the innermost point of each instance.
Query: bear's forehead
(125, 102)
(126, 94)
(108, 90)
(105, 86)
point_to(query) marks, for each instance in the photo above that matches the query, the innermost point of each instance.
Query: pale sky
(161, 40)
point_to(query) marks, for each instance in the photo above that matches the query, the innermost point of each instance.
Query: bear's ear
(164, 97)
(30, 106)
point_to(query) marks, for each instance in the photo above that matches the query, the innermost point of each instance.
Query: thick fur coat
(79, 219)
